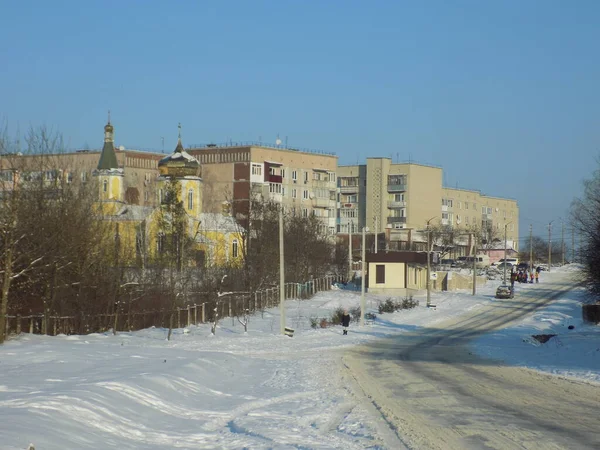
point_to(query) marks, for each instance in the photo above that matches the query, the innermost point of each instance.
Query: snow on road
(233, 390)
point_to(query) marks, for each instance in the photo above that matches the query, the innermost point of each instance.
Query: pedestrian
(345, 321)
(513, 278)
(537, 277)
(531, 277)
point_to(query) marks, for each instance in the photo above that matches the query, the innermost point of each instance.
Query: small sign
(289, 332)
(433, 275)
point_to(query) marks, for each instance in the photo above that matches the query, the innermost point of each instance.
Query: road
(434, 394)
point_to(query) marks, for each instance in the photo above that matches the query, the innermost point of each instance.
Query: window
(306, 177)
(191, 199)
(234, 248)
(466, 205)
(105, 186)
(69, 177)
(275, 188)
(256, 169)
(84, 177)
(294, 193)
(304, 212)
(282, 173)
(6, 175)
(398, 197)
(332, 176)
(294, 175)
(380, 274)
(305, 194)
(161, 242)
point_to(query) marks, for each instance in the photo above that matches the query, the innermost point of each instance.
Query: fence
(224, 305)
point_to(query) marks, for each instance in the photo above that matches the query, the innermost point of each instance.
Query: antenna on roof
(277, 141)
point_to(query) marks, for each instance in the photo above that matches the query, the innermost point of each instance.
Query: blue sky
(503, 95)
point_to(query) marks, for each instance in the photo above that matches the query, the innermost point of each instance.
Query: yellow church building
(142, 233)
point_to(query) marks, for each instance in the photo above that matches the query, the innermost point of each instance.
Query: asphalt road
(432, 393)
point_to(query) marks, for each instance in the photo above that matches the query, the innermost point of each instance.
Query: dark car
(523, 266)
(505, 291)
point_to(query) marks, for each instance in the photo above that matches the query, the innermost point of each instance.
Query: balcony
(273, 178)
(393, 219)
(323, 203)
(396, 187)
(349, 189)
(392, 204)
(275, 197)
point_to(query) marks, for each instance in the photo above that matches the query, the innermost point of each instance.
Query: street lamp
(550, 245)
(429, 263)
(505, 227)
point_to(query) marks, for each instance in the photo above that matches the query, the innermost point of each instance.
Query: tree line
(58, 257)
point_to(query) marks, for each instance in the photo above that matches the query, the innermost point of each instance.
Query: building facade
(305, 183)
(398, 197)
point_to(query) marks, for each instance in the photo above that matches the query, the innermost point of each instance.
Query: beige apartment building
(139, 178)
(397, 197)
(303, 181)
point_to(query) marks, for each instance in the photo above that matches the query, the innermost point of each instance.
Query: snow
(244, 390)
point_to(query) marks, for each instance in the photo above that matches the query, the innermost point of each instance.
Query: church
(146, 233)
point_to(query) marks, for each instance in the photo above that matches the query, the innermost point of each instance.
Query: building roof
(397, 257)
(108, 157)
(219, 222)
(179, 163)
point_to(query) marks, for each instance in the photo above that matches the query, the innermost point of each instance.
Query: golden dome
(179, 163)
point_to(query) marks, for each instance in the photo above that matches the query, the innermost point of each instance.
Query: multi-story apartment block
(383, 195)
(303, 181)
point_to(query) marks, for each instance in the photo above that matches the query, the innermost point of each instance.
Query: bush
(324, 323)
(390, 305)
(355, 314)
(314, 322)
(336, 318)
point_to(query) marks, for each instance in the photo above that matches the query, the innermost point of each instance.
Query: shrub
(355, 314)
(336, 318)
(314, 321)
(390, 305)
(324, 323)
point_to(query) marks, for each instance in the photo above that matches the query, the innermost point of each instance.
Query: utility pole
(505, 227)
(562, 243)
(376, 233)
(550, 245)
(573, 244)
(474, 267)
(429, 262)
(349, 250)
(531, 247)
(281, 274)
(362, 280)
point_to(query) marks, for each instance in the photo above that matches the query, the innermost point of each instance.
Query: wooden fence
(225, 305)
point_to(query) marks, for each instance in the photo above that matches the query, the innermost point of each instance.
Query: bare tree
(586, 221)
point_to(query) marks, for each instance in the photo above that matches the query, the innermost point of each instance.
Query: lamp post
(429, 263)
(550, 245)
(350, 250)
(281, 274)
(505, 227)
(362, 279)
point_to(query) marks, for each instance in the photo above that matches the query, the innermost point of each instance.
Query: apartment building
(397, 197)
(304, 182)
(381, 195)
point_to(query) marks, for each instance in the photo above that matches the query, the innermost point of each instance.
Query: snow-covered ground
(235, 390)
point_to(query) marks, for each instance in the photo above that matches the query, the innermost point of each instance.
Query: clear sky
(504, 95)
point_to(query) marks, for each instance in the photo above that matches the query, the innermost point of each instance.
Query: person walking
(537, 277)
(345, 321)
(513, 278)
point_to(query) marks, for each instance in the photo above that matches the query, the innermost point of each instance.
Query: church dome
(179, 163)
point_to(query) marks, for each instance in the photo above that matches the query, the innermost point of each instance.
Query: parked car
(523, 266)
(509, 267)
(505, 291)
(513, 261)
(448, 262)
